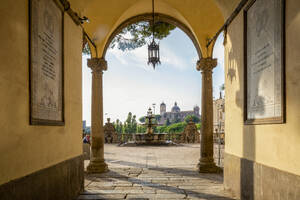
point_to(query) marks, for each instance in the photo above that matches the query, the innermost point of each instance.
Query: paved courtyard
(153, 173)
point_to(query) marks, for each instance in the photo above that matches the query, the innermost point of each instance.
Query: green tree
(161, 129)
(133, 124)
(125, 127)
(175, 120)
(176, 128)
(86, 49)
(198, 126)
(136, 35)
(141, 129)
(222, 90)
(118, 126)
(127, 123)
(130, 124)
(222, 87)
(167, 123)
(121, 128)
(142, 119)
(193, 117)
(129, 117)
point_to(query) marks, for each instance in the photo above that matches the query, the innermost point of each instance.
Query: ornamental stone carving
(97, 65)
(110, 133)
(190, 133)
(206, 64)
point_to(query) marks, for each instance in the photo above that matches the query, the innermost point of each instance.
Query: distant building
(86, 129)
(83, 124)
(219, 116)
(175, 115)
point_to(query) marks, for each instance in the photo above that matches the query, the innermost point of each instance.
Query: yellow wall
(273, 145)
(105, 16)
(23, 148)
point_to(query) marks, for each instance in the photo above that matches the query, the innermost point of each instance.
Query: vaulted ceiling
(202, 17)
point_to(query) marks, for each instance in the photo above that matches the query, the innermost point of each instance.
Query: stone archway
(158, 17)
(205, 65)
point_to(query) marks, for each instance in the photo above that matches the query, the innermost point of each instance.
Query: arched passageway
(205, 65)
(48, 153)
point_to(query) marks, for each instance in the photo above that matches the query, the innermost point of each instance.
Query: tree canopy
(137, 35)
(142, 119)
(130, 125)
(222, 87)
(194, 118)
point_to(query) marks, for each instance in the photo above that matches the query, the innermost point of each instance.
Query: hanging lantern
(153, 54)
(153, 48)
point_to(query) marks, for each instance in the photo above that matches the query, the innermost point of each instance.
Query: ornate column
(97, 164)
(206, 163)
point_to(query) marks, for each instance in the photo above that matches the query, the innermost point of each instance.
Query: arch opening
(158, 18)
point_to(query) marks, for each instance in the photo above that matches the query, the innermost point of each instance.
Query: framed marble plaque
(46, 63)
(264, 56)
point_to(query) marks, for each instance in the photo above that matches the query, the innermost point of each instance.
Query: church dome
(162, 104)
(175, 108)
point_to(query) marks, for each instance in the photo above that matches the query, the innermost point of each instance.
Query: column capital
(206, 64)
(97, 64)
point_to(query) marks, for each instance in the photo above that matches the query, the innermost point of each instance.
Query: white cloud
(134, 58)
(138, 58)
(168, 57)
(219, 50)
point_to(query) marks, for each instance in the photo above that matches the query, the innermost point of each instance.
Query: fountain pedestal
(149, 138)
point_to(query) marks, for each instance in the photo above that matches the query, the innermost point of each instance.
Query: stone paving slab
(182, 186)
(101, 196)
(134, 175)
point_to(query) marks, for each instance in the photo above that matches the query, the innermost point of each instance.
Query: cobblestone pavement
(153, 173)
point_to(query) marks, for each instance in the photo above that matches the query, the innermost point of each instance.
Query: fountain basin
(149, 139)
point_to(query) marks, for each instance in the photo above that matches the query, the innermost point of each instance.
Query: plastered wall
(25, 149)
(276, 145)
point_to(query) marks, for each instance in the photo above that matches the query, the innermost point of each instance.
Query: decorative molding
(97, 65)
(207, 64)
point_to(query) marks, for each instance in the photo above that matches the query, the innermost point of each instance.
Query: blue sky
(130, 85)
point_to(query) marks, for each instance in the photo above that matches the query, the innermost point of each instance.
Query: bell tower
(163, 108)
(196, 110)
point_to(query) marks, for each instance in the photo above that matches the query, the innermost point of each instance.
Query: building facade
(175, 115)
(219, 118)
(84, 124)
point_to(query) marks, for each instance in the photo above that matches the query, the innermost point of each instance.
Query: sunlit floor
(153, 173)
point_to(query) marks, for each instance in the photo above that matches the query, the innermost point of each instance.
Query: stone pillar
(206, 163)
(97, 164)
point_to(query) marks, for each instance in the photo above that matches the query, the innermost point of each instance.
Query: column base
(208, 167)
(95, 167)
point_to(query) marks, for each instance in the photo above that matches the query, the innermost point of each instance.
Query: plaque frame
(37, 121)
(271, 120)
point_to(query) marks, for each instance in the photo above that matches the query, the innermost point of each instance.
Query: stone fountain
(149, 138)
